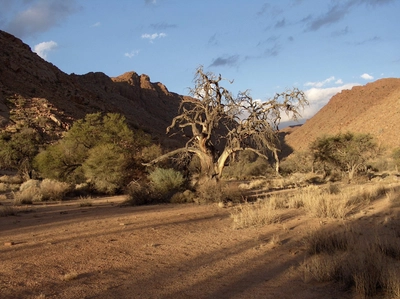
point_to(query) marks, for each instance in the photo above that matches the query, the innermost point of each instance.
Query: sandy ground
(107, 250)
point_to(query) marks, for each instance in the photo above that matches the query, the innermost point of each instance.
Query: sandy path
(161, 251)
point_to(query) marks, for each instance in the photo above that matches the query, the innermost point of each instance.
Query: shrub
(297, 162)
(7, 211)
(3, 187)
(248, 165)
(18, 149)
(53, 190)
(11, 179)
(106, 168)
(212, 191)
(27, 196)
(86, 201)
(254, 214)
(138, 194)
(151, 152)
(99, 148)
(183, 197)
(166, 181)
(34, 190)
(348, 152)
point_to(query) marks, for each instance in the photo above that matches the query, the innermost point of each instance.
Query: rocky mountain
(36, 92)
(373, 108)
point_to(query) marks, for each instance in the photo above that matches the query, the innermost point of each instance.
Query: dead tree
(213, 118)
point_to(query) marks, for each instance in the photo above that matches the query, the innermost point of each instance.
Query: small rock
(9, 243)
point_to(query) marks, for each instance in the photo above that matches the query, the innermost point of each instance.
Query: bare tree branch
(214, 115)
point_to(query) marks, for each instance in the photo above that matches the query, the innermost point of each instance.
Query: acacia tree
(219, 124)
(18, 149)
(99, 148)
(348, 152)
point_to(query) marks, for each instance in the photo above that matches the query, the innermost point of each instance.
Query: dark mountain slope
(31, 89)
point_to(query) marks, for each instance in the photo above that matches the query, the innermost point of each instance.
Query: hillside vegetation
(371, 109)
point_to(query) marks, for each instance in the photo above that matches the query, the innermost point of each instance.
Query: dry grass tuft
(86, 201)
(255, 214)
(53, 190)
(34, 191)
(7, 211)
(70, 276)
(254, 184)
(368, 264)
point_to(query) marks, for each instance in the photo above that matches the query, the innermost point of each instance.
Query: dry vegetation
(367, 262)
(349, 236)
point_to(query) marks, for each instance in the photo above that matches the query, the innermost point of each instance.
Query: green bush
(213, 191)
(347, 152)
(138, 194)
(183, 197)
(248, 165)
(99, 148)
(18, 149)
(297, 162)
(165, 181)
(105, 168)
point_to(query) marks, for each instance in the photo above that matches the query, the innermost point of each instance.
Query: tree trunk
(352, 171)
(277, 162)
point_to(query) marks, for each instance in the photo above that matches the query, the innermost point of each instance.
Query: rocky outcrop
(24, 76)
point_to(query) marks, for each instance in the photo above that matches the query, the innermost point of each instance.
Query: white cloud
(366, 76)
(40, 16)
(318, 98)
(321, 83)
(44, 48)
(339, 81)
(131, 53)
(153, 36)
(97, 24)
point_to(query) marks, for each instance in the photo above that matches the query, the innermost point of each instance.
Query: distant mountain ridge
(35, 91)
(373, 108)
(29, 83)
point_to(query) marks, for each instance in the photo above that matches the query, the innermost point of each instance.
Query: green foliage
(165, 181)
(61, 162)
(151, 152)
(211, 191)
(17, 150)
(248, 165)
(347, 152)
(99, 148)
(105, 167)
(297, 162)
(138, 194)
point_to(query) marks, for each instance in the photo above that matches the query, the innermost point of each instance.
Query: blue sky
(319, 46)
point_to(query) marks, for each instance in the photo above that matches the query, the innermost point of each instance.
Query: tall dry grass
(255, 214)
(34, 191)
(368, 263)
(321, 202)
(336, 203)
